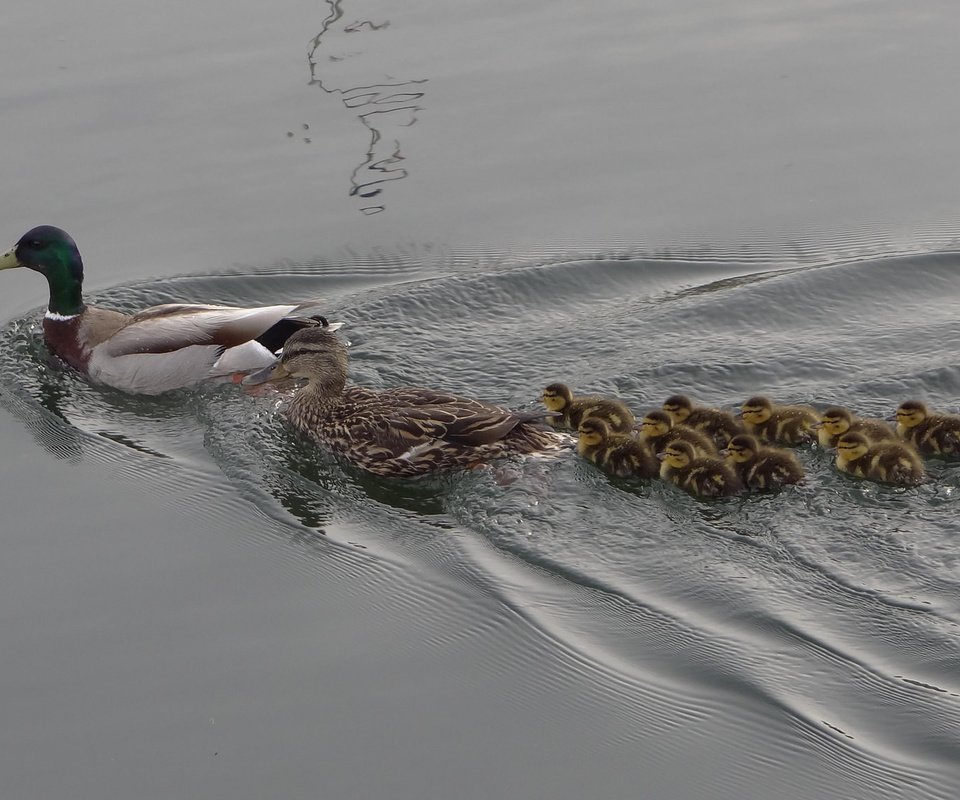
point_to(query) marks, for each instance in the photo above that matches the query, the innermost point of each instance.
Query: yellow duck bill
(9, 259)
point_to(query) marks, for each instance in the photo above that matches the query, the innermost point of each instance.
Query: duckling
(657, 430)
(701, 476)
(401, 432)
(573, 410)
(782, 424)
(761, 467)
(715, 422)
(615, 453)
(886, 462)
(836, 421)
(930, 432)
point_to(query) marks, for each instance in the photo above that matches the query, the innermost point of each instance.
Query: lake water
(638, 198)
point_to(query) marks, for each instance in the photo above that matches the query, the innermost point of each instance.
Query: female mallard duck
(397, 432)
(701, 476)
(930, 432)
(886, 462)
(656, 429)
(781, 424)
(160, 348)
(760, 467)
(715, 422)
(615, 453)
(573, 410)
(836, 421)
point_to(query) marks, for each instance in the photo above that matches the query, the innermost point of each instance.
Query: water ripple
(822, 621)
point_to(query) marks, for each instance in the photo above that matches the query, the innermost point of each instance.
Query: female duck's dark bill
(271, 372)
(276, 371)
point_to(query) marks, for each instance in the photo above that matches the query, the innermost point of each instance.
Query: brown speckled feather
(412, 431)
(401, 432)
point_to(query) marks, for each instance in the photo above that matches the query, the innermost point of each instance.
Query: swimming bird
(401, 432)
(761, 467)
(572, 410)
(715, 422)
(886, 462)
(155, 350)
(836, 421)
(932, 433)
(615, 453)
(656, 429)
(781, 424)
(701, 476)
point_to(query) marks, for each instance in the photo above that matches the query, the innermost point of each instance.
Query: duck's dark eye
(35, 243)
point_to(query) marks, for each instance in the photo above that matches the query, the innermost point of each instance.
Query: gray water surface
(637, 198)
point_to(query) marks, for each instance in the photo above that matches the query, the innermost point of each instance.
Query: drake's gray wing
(153, 373)
(172, 327)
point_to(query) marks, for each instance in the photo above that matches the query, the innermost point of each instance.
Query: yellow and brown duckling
(886, 462)
(760, 467)
(715, 422)
(615, 453)
(836, 421)
(657, 430)
(573, 410)
(787, 425)
(396, 432)
(701, 476)
(932, 433)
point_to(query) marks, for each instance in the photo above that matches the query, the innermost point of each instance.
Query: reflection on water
(384, 107)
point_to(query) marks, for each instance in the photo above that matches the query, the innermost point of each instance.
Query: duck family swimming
(414, 431)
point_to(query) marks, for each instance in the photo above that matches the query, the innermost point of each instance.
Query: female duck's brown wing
(420, 415)
(461, 423)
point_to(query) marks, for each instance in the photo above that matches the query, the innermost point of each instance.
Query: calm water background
(637, 197)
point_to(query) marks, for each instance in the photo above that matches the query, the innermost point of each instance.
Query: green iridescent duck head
(53, 253)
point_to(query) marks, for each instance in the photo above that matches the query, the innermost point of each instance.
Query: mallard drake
(152, 351)
(615, 453)
(715, 422)
(701, 476)
(930, 432)
(781, 424)
(656, 429)
(886, 462)
(573, 410)
(760, 467)
(836, 421)
(397, 432)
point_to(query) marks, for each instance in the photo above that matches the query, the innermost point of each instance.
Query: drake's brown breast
(63, 340)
